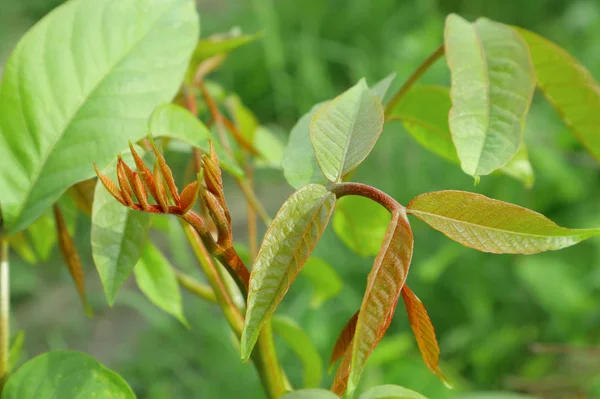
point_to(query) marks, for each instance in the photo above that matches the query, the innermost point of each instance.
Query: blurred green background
(504, 323)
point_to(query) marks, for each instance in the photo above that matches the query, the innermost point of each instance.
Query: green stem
(412, 79)
(4, 311)
(201, 290)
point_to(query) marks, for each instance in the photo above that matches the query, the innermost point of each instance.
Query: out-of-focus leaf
(492, 395)
(65, 375)
(310, 394)
(156, 278)
(344, 340)
(569, 87)
(269, 147)
(489, 225)
(42, 234)
(301, 344)
(423, 112)
(244, 119)
(220, 44)
(287, 244)
(92, 82)
(170, 120)
(384, 284)
(492, 86)
(381, 88)
(390, 392)
(326, 282)
(424, 332)
(16, 348)
(118, 236)
(83, 195)
(344, 131)
(19, 243)
(361, 224)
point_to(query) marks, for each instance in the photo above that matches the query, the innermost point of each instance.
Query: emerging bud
(160, 190)
(144, 172)
(140, 191)
(189, 195)
(166, 172)
(124, 183)
(110, 186)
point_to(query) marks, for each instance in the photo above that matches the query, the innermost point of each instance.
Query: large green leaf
(361, 224)
(390, 392)
(65, 375)
(344, 131)
(301, 344)
(310, 394)
(489, 225)
(326, 282)
(423, 112)
(384, 285)
(570, 88)
(174, 121)
(492, 85)
(156, 279)
(287, 244)
(78, 86)
(118, 236)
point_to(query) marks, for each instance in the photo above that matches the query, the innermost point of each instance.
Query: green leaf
(423, 112)
(344, 131)
(221, 43)
(493, 395)
(489, 225)
(390, 392)
(326, 282)
(301, 344)
(569, 87)
(492, 86)
(244, 119)
(384, 285)
(65, 375)
(270, 148)
(16, 348)
(287, 245)
(156, 279)
(19, 243)
(42, 234)
(174, 121)
(381, 88)
(78, 86)
(361, 224)
(118, 236)
(311, 394)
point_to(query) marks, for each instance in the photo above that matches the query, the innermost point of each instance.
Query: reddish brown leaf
(167, 174)
(160, 190)
(340, 381)
(344, 339)
(110, 186)
(69, 252)
(189, 195)
(144, 172)
(424, 332)
(124, 183)
(140, 191)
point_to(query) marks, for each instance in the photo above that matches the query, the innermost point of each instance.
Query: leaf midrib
(350, 135)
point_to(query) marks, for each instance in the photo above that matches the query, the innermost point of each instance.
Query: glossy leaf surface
(569, 86)
(301, 344)
(492, 86)
(489, 225)
(60, 93)
(65, 375)
(390, 392)
(384, 284)
(325, 280)
(344, 131)
(287, 245)
(156, 279)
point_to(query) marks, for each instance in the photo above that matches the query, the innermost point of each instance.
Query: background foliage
(495, 315)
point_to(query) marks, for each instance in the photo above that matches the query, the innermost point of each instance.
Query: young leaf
(361, 224)
(65, 374)
(221, 43)
(19, 243)
(424, 332)
(156, 279)
(489, 225)
(310, 394)
(423, 112)
(569, 87)
(344, 340)
(340, 381)
(390, 392)
(77, 94)
(384, 284)
(301, 344)
(170, 120)
(492, 86)
(326, 282)
(344, 131)
(287, 244)
(118, 236)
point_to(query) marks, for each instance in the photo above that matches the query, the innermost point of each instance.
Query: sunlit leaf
(287, 245)
(310, 394)
(424, 332)
(569, 87)
(492, 86)
(381, 88)
(156, 278)
(384, 284)
(361, 224)
(344, 340)
(77, 86)
(65, 374)
(390, 392)
(489, 225)
(344, 131)
(170, 120)
(326, 282)
(301, 344)
(118, 236)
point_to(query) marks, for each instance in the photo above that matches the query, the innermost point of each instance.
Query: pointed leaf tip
(110, 186)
